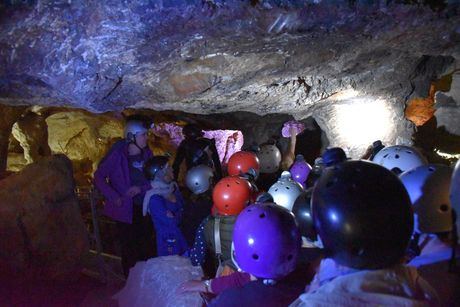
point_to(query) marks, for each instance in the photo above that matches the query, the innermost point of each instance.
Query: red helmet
(241, 161)
(230, 195)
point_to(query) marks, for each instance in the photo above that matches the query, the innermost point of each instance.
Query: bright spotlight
(362, 120)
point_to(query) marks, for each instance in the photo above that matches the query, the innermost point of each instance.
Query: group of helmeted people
(266, 233)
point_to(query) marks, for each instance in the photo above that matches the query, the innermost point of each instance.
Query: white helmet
(428, 187)
(198, 179)
(132, 128)
(399, 158)
(285, 191)
(455, 193)
(269, 158)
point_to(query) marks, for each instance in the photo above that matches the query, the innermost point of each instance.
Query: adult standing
(121, 180)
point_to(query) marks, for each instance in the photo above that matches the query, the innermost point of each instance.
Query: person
(428, 187)
(120, 179)
(363, 216)
(399, 158)
(333, 156)
(197, 150)
(266, 249)
(372, 150)
(165, 204)
(285, 191)
(200, 181)
(300, 170)
(214, 236)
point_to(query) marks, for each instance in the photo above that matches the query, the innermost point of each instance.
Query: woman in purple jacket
(120, 179)
(165, 204)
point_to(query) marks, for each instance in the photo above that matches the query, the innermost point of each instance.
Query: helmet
(266, 241)
(192, 131)
(455, 193)
(132, 128)
(241, 162)
(199, 178)
(303, 216)
(285, 191)
(269, 158)
(300, 170)
(399, 158)
(154, 165)
(231, 195)
(333, 156)
(428, 187)
(362, 214)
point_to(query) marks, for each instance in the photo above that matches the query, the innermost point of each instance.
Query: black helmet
(303, 216)
(153, 165)
(192, 131)
(333, 156)
(362, 214)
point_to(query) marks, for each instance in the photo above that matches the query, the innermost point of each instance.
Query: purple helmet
(266, 240)
(300, 170)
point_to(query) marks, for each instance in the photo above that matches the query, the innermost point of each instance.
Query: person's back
(364, 219)
(197, 150)
(218, 232)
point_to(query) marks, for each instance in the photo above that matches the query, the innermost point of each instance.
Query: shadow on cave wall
(431, 138)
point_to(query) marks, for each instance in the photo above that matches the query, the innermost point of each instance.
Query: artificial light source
(360, 120)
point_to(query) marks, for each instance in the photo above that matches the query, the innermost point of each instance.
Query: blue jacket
(170, 240)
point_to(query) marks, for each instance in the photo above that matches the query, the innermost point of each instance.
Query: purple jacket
(112, 179)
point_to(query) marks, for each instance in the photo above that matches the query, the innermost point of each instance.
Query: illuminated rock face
(207, 57)
(43, 235)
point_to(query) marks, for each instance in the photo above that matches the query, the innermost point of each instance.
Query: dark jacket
(196, 152)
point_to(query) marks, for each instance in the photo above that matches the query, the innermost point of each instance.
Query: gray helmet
(199, 178)
(132, 128)
(428, 187)
(269, 158)
(455, 193)
(285, 191)
(399, 158)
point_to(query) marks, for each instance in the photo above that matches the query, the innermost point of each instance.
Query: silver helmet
(399, 158)
(199, 178)
(269, 158)
(132, 128)
(455, 193)
(428, 187)
(285, 191)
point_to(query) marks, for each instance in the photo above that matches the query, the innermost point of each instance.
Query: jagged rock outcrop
(222, 56)
(43, 234)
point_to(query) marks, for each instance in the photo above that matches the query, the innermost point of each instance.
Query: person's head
(428, 187)
(269, 158)
(362, 214)
(241, 162)
(231, 195)
(192, 131)
(158, 169)
(399, 158)
(333, 156)
(135, 132)
(199, 179)
(303, 215)
(300, 170)
(266, 241)
(285, 191)
(455, 197)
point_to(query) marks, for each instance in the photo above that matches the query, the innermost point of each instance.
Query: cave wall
(292, 58)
